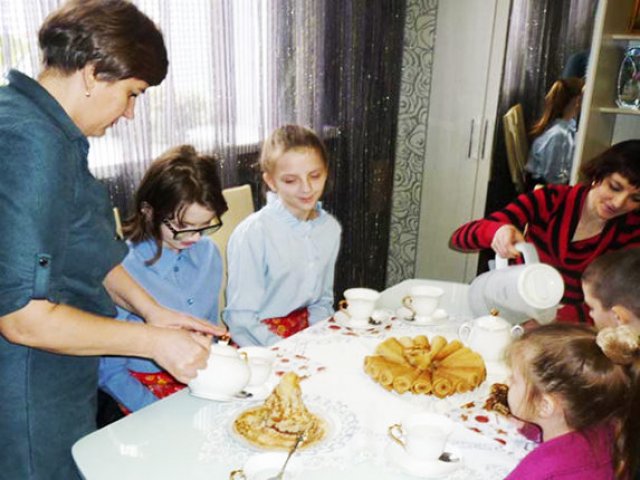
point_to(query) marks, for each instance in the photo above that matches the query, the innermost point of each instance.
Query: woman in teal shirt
(59, 259)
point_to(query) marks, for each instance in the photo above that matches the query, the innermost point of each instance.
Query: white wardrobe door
(459, 131)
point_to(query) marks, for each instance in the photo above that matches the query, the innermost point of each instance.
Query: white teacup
(423, 436)
(423, 299)
(359, 304)
(260, 365)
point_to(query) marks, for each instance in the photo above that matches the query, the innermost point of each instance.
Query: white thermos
(519, 292)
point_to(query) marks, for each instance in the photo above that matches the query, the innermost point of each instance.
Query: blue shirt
(277, 264)
(551, 154)
(187, 281)
(58, 243)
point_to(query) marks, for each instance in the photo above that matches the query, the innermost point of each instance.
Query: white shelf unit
(602, 123)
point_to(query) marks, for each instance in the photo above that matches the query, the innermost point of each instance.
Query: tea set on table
(234, 374)
(417, 445)
(358, 309)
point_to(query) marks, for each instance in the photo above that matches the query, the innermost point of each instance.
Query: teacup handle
(407, 301)
(237, 475)
(464, 331)
(516, 331)
(342, 306)
(396, 434)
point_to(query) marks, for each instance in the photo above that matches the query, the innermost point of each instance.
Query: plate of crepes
(424, 366)
(277, 423)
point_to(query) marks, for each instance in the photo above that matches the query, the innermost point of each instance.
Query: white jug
(489, 336)
(226, 374)
(519, 292)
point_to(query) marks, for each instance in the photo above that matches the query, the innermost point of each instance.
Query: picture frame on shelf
(634, 23)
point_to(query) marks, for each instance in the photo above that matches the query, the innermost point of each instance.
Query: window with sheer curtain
(223, 92)
(238, 69)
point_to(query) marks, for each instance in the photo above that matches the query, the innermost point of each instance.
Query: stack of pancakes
(424, 366)
(281, 419)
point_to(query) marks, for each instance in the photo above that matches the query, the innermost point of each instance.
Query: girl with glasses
(178, 203)
(281, 259)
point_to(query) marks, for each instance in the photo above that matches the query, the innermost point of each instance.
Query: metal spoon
(243, 394)
(448, 457)
(280, 474)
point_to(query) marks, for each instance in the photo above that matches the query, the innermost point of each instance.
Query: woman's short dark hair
(622, 158)
(177, 179)
(113, 35)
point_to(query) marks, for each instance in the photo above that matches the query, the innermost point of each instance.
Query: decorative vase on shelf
(628, 88)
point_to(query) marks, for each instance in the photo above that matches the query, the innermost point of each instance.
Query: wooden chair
(515, 136)
(240, 202)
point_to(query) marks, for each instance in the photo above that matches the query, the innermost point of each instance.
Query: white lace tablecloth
(187, 437)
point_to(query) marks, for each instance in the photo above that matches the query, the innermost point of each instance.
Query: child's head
(179, 200)
(295, 165)
(611, 286)
(579, 375)
(564, 95)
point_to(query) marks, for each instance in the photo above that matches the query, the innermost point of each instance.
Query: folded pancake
(402, 383)
(392, 371)
(421, 341)
(422, 383)
(391, 349)
(418, 357)
(463, 358)
(442, 386)
(406, 342)
(437, 343)
(448, 349)
(277, 423)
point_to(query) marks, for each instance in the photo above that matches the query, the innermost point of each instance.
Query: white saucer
(233, 398)
(265, 465)
(261, 392)
(211, 396)
(383, 316)
(437, 318)
(429, 469)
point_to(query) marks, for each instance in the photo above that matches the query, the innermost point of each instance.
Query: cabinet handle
(484, 137)
(470, 139)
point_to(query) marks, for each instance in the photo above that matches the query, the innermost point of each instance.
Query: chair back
(240, 202)
(515, 136)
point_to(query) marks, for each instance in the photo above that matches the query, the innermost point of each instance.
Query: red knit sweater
(552, 214)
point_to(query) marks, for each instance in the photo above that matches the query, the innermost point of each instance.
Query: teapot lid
(492, 321)
(223, 348)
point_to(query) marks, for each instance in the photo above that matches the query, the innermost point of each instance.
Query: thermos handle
(529, 253)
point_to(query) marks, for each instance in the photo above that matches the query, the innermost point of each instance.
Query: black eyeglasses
(183, 234)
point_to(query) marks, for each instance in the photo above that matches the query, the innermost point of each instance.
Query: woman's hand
(164, 317)
(180, 352)
(504, 241)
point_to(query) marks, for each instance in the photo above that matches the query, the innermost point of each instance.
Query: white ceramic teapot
(489, 336)
(226, 374)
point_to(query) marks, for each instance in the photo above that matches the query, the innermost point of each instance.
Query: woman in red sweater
(569, 225)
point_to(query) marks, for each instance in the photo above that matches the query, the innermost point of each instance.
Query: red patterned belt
(288, 325)
(161, 384)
